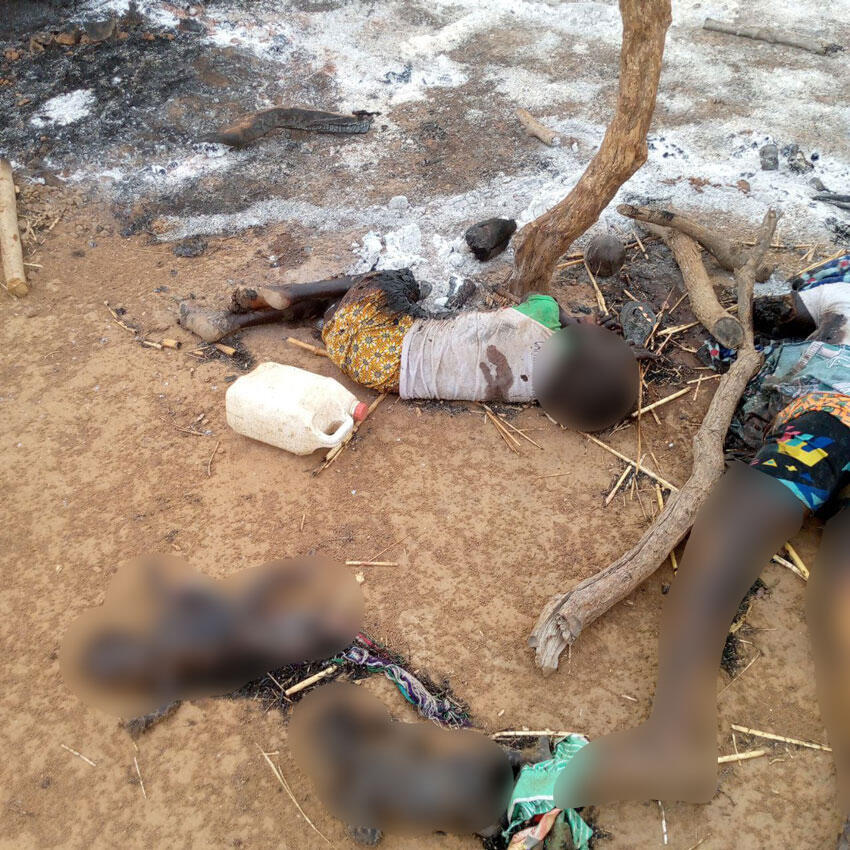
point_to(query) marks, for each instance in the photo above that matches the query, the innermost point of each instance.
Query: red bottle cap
(360, 411)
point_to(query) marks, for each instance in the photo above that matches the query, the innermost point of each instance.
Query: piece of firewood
(539, 131)
(728, 254)
(726, 329)
(772, 36)
(248, 128)
(623, 150)
(10, 237)
(565, 615)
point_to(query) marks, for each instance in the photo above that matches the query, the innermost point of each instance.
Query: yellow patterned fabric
(835, 404)
(364, 338)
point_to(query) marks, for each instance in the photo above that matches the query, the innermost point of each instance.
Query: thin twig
(600, 298)
(660, 402)
(529, 733)
(797, 560)
(141, 781)
(732, 682)
(745, 756)
(310, 680)
(209, 462)
(371, 563)
(771, 736)
(627, 459)
(279, 776)
(313, 349)
(663, 822)
(617, 486)
(86, 759)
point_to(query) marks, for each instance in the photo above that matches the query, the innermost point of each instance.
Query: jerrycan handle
(330, 440)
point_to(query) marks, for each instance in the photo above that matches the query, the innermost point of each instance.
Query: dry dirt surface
(96, 471)
(97, 467)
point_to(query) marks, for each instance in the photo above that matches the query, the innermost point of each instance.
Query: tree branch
(728, 254)
(622, 152)
(565, 615)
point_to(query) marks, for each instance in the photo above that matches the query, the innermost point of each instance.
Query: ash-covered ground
(115, 98)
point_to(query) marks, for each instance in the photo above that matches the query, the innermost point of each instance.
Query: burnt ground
(96, 469)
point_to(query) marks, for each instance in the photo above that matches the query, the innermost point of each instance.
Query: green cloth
(534, 792)
(543, 309)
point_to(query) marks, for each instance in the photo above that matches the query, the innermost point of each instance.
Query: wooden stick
(640, 244)
(139, 774)
(633, 463)
(790, 565)
(659, 496)
(600, 298)
(617, 486)
(387, 548)
(313, 349)
(728, 254)
(771, 736)
(371, 563)
(310, 680)
(229, 350)
(117, 319)
(336, 451)
(773, 36)
(677, 329)
(507, 424)
(542, 242)
(529, 733)
(798, 561)
(567, 613)
(745, 756)
(285, 785)
(510, 441)
(171, 343)
(209, 462)
(539, 131)
(660, 402)
(835, 256)
(10, 237)
(86, 759)
(724, 328)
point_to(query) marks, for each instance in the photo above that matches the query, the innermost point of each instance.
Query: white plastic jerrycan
(291, 408)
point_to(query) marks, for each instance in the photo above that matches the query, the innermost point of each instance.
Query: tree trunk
(622, 152)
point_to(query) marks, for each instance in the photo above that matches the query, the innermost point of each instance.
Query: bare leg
(281, 296)
(828, 605)
(213, 325)
(262, 306)
(673, 755)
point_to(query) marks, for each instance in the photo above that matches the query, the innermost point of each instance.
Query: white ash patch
(378, 57)
(65, 108)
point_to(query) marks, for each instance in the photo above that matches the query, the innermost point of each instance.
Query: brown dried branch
(730, 255)
(622, 152)
(565, 615)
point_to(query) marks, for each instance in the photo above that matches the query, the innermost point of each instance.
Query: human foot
(644, 763)
(209, 325)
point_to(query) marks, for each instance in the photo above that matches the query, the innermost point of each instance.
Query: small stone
(605, 255)
(398, 203)
(769, 156)
(194, 246)
(489, 238)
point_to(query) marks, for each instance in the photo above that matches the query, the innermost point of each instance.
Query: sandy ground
(95, 473)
